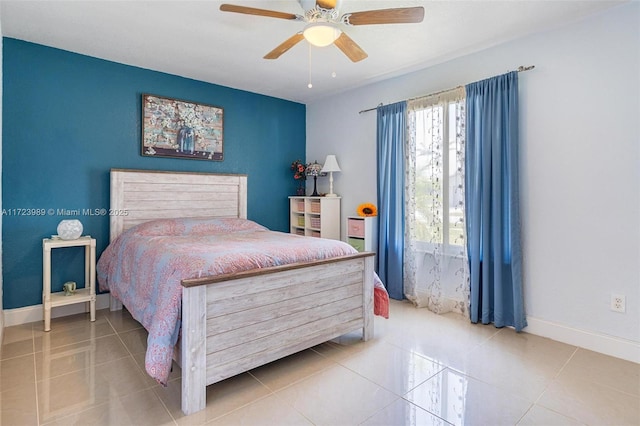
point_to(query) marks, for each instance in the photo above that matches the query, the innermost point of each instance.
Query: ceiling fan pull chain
(309, 85)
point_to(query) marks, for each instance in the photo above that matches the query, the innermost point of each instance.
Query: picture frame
(176, 128)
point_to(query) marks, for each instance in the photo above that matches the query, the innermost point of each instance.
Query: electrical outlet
(618, 303)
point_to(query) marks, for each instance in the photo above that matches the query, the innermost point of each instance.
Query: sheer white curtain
(436, 272)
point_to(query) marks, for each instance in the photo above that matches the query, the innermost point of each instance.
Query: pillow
(194, 226)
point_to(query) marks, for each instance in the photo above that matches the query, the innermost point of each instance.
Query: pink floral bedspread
(144, 266)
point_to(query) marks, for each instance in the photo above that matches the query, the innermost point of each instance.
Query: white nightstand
(362, 232)
(86, 294)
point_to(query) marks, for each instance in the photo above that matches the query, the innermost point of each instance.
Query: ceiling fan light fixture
(321, 34)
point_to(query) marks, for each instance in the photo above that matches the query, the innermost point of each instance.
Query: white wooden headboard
(138, 196)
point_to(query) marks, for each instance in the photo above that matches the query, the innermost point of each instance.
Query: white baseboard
(35, 313)
(603, 343)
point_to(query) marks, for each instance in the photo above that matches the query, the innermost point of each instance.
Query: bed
(232, 322)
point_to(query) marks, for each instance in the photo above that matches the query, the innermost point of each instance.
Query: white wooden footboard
(233, 323)
(236, 322)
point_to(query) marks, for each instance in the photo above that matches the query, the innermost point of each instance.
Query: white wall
(580, 167)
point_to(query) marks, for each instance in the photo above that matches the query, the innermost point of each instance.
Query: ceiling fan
(324, 24)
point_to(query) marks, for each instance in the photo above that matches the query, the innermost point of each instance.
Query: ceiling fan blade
(327, 4)
(350, 48)
(282, 48)
(258, 12)
(403, 15)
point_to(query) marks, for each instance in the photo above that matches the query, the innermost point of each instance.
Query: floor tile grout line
(525, 413)
(384, 387)
(74, 343)
(294, 382)
(35, 375)
(441, 365)
(575, 351)
(92, 366)
(35, 372)
(130, 355)
(275, 394)
(126, 347)
(442, 368)
(175, 422)
(556, 375)
(75, 413)
(20, 355)
(61, 347)
(382, 409)
(269, 393)
(430, 412)
(336, 364)
(155, 394)
(402, 398)
(109, 399)
(496, 386)
(536, 402)
(612, 388)
(499, 386)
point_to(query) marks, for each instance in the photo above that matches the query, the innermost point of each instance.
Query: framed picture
(181, 129)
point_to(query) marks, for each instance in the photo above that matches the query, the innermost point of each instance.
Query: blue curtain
(390, 159)
(492, 202)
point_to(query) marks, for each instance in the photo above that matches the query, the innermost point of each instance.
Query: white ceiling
(195, 39)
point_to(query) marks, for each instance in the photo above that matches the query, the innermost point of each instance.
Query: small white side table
(86, 294)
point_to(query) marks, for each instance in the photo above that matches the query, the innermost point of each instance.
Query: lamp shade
(321, 34)
(330, 164)
(314, 169)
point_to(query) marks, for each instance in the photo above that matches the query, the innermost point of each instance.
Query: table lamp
(330, 166)
(314, 170)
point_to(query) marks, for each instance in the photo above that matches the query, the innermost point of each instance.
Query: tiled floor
(419, 369)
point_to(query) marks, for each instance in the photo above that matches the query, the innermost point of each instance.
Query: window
(439, 174)
(435, 268)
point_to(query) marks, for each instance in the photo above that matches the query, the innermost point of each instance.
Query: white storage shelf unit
(315, 216)
(362, 232)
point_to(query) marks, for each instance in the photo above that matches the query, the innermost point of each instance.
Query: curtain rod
(521, 68)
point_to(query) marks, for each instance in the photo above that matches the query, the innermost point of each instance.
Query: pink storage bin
(356, 228)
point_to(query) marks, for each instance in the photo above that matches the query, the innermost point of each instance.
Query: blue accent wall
(68, 119)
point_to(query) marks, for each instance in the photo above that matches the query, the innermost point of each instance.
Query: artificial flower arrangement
(367, 209)
(299, 170)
